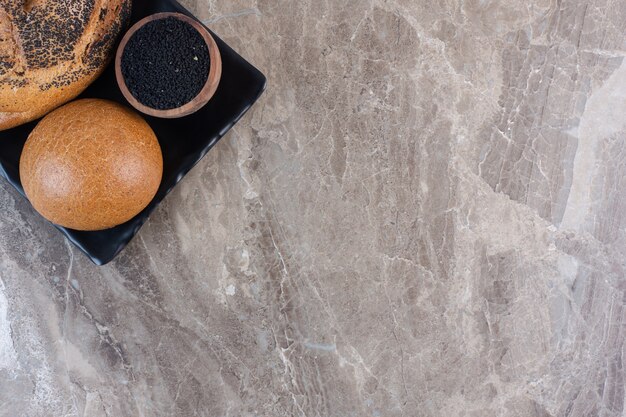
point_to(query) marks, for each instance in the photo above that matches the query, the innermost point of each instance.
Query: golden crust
(51, 50)
(91, 165)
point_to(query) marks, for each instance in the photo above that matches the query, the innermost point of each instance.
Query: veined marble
(423, 216)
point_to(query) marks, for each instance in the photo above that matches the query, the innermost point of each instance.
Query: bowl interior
(213, 79)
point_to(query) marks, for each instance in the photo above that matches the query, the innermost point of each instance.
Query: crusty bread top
(91, 165)
(50, 50)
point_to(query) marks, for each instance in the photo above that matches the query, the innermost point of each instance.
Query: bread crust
(51, 50)
(91, 165)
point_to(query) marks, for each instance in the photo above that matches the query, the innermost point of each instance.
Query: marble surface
(423, 216)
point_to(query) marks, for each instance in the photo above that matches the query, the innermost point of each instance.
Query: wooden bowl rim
(203, 97)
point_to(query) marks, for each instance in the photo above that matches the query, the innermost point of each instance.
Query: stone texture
(423, 216)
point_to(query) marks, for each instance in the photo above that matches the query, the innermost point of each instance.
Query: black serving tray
(184, 141)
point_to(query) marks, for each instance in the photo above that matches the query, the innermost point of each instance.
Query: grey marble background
(423, 216)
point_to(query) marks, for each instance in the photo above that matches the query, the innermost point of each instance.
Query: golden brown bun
(91, 165)
(51, 50)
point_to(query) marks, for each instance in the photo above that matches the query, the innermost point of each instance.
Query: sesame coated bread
(51, 50)
(91, 165)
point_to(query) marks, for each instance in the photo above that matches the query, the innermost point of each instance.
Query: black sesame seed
(165, 64)
(49, 32)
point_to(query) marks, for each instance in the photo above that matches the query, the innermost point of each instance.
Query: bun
(51, 50)
(91, 165)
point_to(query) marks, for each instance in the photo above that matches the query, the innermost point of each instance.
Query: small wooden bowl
(215, 70)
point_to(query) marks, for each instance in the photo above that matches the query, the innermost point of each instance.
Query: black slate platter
(184, 141)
